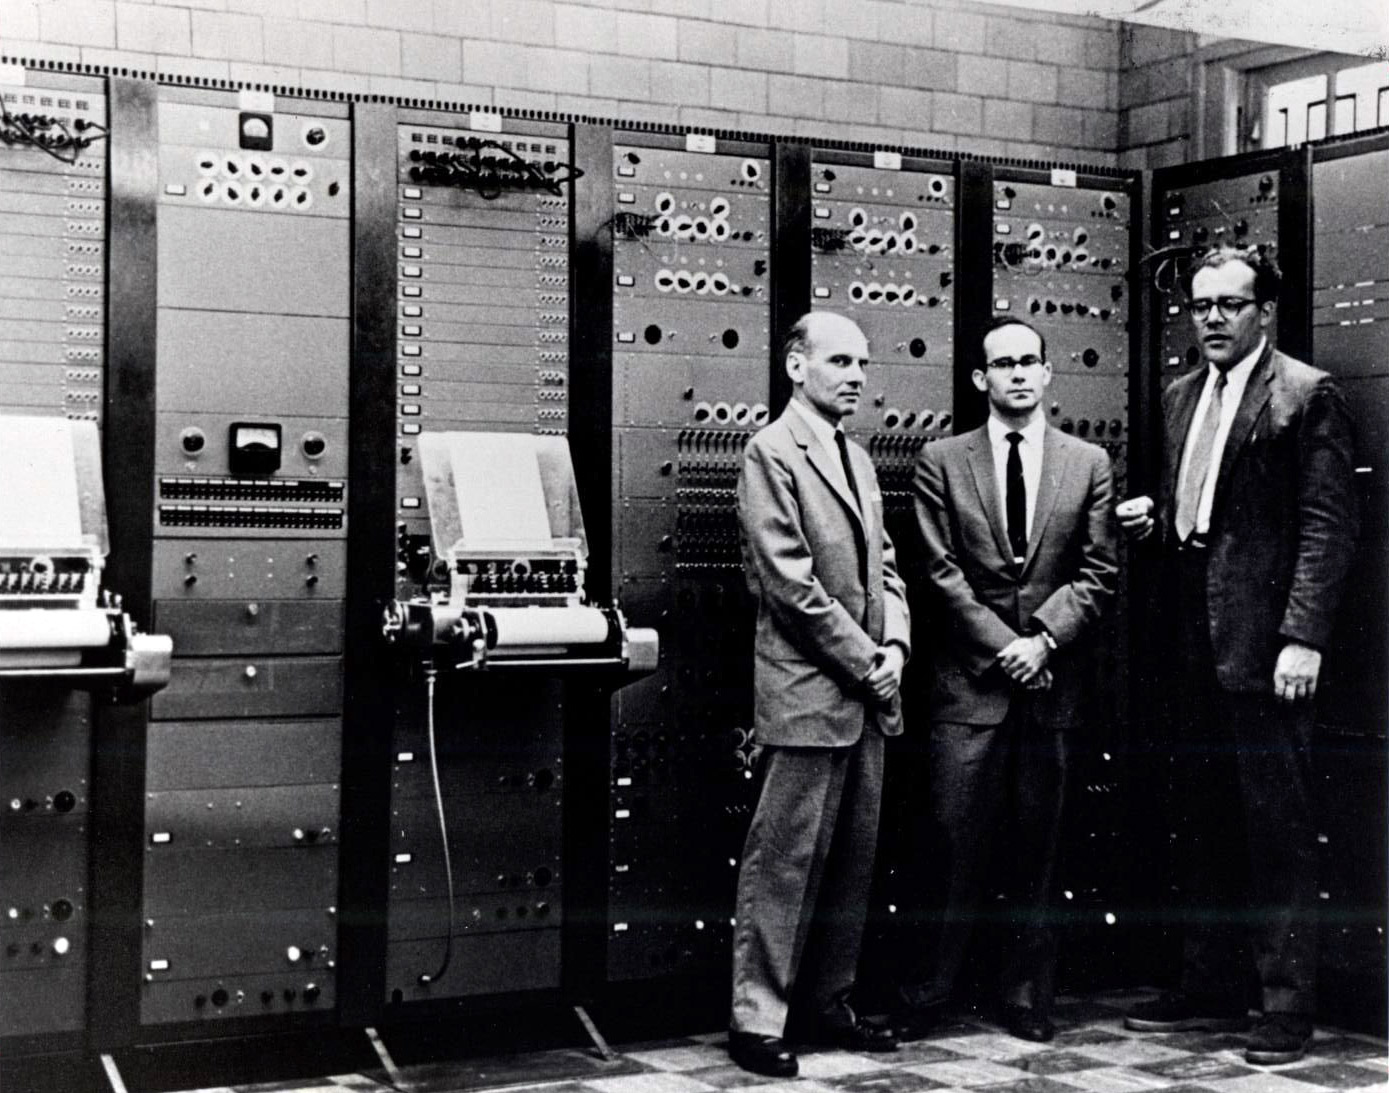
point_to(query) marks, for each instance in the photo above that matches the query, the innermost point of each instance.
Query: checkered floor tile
(1092, 1053)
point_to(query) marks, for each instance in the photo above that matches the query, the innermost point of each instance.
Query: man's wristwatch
(1045, 634)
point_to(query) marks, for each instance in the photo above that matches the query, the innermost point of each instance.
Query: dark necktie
(848, 470)
(1199, 465)
(1016, 503)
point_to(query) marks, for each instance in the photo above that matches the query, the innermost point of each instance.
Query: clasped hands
(885, 677)
(1024, 661)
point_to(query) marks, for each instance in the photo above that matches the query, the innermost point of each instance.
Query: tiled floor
(1092, 1053)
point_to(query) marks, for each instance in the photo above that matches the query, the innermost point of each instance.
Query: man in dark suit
(1017, 522)
(832, 636)
(1257, 521)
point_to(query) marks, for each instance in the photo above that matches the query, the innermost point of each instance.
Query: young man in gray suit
(832, 637)
(1017, 522)
(1257, 523)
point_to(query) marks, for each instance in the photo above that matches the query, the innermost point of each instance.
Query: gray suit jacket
(828, 593)
(1284, 518)
(1064, 583)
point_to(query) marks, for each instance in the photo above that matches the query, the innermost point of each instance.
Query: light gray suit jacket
(1064, 583)
(828, 593)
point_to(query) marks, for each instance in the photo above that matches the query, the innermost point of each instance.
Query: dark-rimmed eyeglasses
(1230, 306)
(1005, 364)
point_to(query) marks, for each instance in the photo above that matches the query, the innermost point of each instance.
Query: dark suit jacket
(986, 600)
(827, 588)
(1284, 517)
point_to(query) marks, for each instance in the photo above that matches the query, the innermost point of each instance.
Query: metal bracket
(393, 1074)
(606, 1053)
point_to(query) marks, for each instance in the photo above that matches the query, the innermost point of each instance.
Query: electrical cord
(430, 676)
(28, 133)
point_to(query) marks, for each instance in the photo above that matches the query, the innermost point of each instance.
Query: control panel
(882, 245)
(1242, 210)
(691, 347)
(53, 193)
(249, 561)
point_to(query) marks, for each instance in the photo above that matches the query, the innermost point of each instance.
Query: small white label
(822, 293)
(887, 161)
(173, 189)
(258, 102)
(1003, 304)
(485, 122)
(404, 859)
(1004, 229)
(411, 428)
(12, 74)
(413, 193)
(412, 331)
(1063, 176)
(626, 336)
(412, 252)
(405, 757)
(159, 965)
(411, 233)
(410, 370)
(619, 927)
(623, 782)
(160, 837)
(626, 172)
(412, 311)
(622, 814)
(1174, 235)
(410, 409)
(821, 212)
(1003, 203)
(822, 187)
(700, 142)
(411, 213)
(626, 280)
(625, 198)
(621, 868)
(410, 350)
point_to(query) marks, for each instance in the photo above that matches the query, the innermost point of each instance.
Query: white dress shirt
(1029, 451)
(1235, 382)
(825, 432)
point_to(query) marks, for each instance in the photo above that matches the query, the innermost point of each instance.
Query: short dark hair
(1268, 278)
(998, 322)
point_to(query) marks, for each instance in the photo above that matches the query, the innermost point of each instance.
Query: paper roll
(54, 628)
(519, 627)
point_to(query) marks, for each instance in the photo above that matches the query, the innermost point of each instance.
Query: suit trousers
(1244, 814)
(995, 795)
(803, 886)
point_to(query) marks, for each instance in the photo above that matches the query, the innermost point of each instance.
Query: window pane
(1292, 97)
(1345, 114)
(1383, 106)
(1316, 120)
(1367, 83)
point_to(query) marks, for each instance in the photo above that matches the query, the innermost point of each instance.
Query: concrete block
(1168, 153)
(434, 57)
(591, 106)
(612, 77)
(705, 118)
(738, 90)
(1062, 126)
(192, 67)
(1179, 119)
(531, 22)
(516, 99)
(1102, 47)
(877, 62)
(748, 13)
(931, 68)
(1148, 124)
(564, 71)
(333, 11)
(681, 84)
(688, 9)
(912, 26)
(796, 96)
(1168, 79)
(322, 79)
(976, 75)
(464, 18)
(857, 20)
(21, 20)
(987, 146)
(819, 55)
(580, 27)
(640, 35)
(153, 30)
(1102, 130)
(649, 112)
(806, 16)
(271, 9)
(90, 23)
(495, 64)
(1133, 88)
(1142, 45)
(464, 94)
(1059, 44)
(1032, 82)
(851, 102)
(1005, 119)
(92, 55)
(400, 88)
(295, 42)
(957, 113)
(264, 75)
(1009, 37)
(365, 49)
(766, 50)
(707, 43)
(960, 31)
(227, 36)
(905, 107)
(1087, 87)
(399, 15)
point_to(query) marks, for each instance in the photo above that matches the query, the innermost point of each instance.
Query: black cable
(28, 134)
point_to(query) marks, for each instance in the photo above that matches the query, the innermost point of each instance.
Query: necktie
(1016, 500)
(848, 470)
(1199, 464)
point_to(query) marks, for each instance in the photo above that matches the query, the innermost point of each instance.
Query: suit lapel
(1256, 396)
(1055, 453)
(981, 463)
(820, 459)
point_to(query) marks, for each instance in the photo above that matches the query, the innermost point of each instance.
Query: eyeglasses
(1007, 364)
(1230, 306)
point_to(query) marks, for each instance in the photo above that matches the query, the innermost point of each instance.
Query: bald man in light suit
(833, 634)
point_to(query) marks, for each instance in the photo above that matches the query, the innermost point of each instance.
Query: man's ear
(980, 383)
(1266, 313)
(795, 366)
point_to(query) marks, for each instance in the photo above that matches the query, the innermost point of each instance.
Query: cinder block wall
(1156, 98)
(946, 74)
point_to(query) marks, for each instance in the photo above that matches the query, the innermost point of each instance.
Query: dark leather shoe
(915, 1022)
(859, 1035)
(1278, 1038)
(1178, 1013)
(760, 1054)
(1026, 1023)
